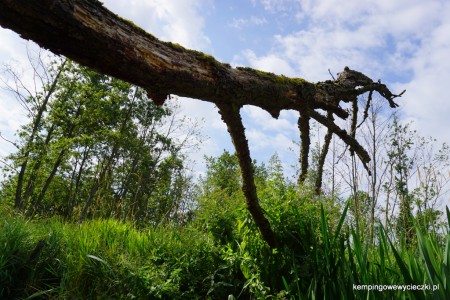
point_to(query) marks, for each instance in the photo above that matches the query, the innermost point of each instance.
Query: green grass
(345, 263)
(107, 259)
(102, 259)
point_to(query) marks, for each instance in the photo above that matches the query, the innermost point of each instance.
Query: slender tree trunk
(37, 123)
(96, 185)
(71, 201)
(57, 163)
(34, 173)
(356, 204)
(374, 177)
(49, 180)
(56, 166)
(388, 195)
(108, 164)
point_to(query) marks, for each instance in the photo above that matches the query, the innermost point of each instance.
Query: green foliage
(293, 213)
(409, 157)
(321, 255)
(27, 257)
(219, 198)
(355, 269)
(104, 259)
(401, 143)
(100, 148)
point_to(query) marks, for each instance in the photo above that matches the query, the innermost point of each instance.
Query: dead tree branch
(87, 32)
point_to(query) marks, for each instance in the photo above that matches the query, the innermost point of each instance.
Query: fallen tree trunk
(88, 33)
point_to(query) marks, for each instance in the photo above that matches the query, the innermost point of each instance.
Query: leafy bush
(220, 254)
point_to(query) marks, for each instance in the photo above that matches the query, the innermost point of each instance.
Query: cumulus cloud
(7, 45)
(181, 22)
(10, 43)
(404, 43)
(176, 21)
(242, 22)
(259, 140)
(275, 6)
(312, 53)
(270, 63)
(263, 145)
(371, 36)
(375, 36)
(427, 99)
(263, 121)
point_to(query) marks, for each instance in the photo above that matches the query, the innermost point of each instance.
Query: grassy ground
(106, 259)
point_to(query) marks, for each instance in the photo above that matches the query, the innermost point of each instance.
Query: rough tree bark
(86, 32)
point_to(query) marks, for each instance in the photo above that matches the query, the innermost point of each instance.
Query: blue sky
(406, 43)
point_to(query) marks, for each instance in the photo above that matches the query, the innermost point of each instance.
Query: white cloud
(214, 130)
(397, 16)
(374, 37)
(242, 22)
(313, 52)
(427, 98)
(7, 46)
(276, 5)
(267, 135)
(265, 122)
(181, 22)
(405, 43)
(259, 140)
(10, 43)
(263, 145)
(269, 63)
(176, 21)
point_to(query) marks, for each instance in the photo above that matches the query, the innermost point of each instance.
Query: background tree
(103, 149)
(35, 102)
(412, 182)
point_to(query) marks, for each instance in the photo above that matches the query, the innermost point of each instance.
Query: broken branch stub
(232, 118)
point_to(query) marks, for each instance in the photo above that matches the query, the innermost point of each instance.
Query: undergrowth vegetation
(109, 259)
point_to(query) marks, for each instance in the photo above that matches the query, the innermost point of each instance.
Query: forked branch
(87, 32)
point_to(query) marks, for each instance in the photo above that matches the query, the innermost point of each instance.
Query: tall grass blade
(41, 293)
(341, 222)
(404, 268)
(324, 230)
(97, 259)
